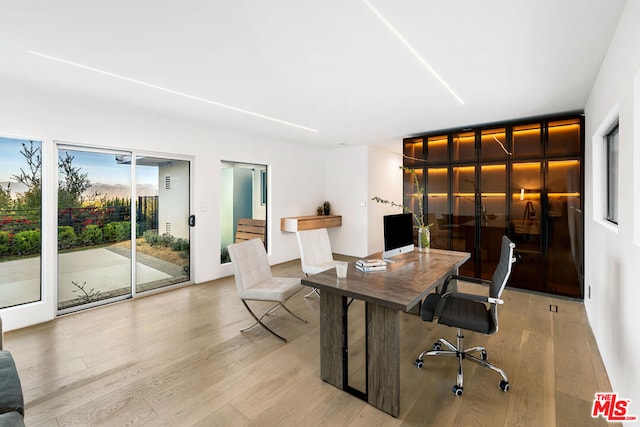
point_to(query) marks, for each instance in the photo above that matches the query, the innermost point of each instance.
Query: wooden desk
(401, 287)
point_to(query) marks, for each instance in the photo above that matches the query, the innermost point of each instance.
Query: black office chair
(472, 312)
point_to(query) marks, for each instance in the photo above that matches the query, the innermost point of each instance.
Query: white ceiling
(329, 65)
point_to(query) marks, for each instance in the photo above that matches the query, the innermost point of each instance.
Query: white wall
(173, 206)
(611, 253)
(346, 189)
(385, 181)
(353, 176)
(296, 181)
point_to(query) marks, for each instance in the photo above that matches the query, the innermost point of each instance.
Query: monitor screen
(398, 234)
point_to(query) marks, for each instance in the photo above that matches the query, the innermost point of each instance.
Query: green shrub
(66, 237)
(180, 245)
(109, 232)
(5, 244)
(27, 242)
(91, 235)
(167, 240)
(116, 231)
(151, 237)
(124, 232)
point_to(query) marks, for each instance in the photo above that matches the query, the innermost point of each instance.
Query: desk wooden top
(406, 281)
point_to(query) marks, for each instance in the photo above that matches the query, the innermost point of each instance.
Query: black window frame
(611, 147)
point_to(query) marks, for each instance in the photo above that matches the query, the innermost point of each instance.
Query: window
(611, 159)
(243, 215)
(20, 221)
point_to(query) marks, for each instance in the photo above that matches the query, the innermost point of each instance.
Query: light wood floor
(178, 359)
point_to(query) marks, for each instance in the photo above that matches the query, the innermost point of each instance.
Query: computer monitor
(398, 234)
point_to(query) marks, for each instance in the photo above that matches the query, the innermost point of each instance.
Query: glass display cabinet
(522, 178)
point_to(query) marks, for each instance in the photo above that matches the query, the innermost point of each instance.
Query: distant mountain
(107, 190)
(111, 191)
(16, 187)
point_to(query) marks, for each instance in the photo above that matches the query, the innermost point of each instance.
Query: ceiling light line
(171, 91)
(412, 50)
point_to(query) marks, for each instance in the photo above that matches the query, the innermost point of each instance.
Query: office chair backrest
(315, 249)
(501, 276)
(250, 264)
(503, 269)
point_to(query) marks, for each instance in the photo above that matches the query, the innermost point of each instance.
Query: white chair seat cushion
(319, 268)
(273, 289)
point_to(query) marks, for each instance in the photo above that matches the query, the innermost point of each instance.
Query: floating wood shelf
(299, 223)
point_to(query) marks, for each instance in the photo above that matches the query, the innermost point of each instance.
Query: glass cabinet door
(413, 153)
(463, 221)
(437, 206)
(525, 228)
(493, 216)
(413, 186)
(438, 149)
(527, 140)
(564, 218)
(564, 137)
(493, 144)
(464, 147)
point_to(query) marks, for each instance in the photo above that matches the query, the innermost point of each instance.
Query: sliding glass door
(103, 233)
(162, 216)
(94, 228)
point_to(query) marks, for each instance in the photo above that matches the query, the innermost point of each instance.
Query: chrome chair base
(461, 354)
(258, 320)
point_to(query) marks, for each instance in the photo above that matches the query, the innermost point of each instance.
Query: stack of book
(371, 265)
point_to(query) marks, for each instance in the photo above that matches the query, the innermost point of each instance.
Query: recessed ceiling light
(171, 91)
(408, 45)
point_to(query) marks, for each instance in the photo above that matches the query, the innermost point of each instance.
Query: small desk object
(401, 287)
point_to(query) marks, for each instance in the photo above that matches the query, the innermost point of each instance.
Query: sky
(102, 168)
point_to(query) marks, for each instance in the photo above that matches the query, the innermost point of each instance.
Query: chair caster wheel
(483, 355)
(437, 346)
(419, 363)
(504, 386)
(457, 390)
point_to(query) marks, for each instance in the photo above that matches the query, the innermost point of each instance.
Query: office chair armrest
(463, 279)
(443, 298)
(479, 298)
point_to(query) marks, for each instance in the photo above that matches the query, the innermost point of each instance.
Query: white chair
(255, 282)
(315, 252)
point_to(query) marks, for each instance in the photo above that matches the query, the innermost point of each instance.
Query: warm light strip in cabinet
(493, 168)
(528, 196)
(464, 169)
(437, 171)
(564, 194)
(517, 166)
(464, 138)
(562, 126)
(439, 141)
(437, 194)
(564, 163)
(528, 131)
